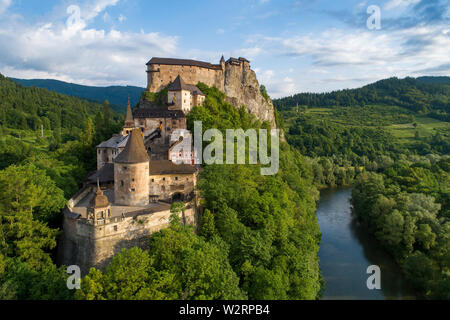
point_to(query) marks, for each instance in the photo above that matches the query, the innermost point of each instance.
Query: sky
(294, 46)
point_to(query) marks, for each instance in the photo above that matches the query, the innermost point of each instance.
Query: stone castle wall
(86, 245)
(237, 81)
(160, 75)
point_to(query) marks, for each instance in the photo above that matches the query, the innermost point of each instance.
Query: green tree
(207, 228)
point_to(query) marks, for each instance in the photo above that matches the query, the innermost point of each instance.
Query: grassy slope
(405, 131)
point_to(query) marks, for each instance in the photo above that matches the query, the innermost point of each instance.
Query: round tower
(131, 173)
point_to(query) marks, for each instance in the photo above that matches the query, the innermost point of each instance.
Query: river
(347, 250)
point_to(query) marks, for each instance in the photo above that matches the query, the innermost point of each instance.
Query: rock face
(234, 77)
(242, 88)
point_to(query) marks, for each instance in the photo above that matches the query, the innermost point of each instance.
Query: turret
(129, 121)
(131, 173)
(99, 209)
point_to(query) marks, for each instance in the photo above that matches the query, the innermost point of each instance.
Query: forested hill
(425, 95)
(29, 108)
(116, 95)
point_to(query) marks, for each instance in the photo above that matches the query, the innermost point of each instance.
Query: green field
(426, 127)
(400, 122)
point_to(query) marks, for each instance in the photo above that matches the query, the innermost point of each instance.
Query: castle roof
(183, 62)
(104, 175)
(114, 142)
(178, 84)
(134, 151)
(148, 110)
(160, 167)
(99, 200)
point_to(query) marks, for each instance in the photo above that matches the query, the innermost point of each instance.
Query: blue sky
(294, 46)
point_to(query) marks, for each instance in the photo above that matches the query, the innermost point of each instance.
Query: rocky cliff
(242, 88)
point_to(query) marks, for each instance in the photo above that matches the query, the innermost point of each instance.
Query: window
(176, 178)
(133, 190)
(125, 168)
(153, 180)
(121, 183)
(132, 180)
(115, 228)
(164, 179)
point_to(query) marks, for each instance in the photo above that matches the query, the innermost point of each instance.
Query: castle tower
(131, 173)
(180, 95)
(129, 121)
(99, 209)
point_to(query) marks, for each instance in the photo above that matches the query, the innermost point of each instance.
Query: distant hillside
(29, 108)
(429, 79)
(116, 95)
(426, 95)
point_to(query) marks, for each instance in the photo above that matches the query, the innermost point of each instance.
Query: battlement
(88, 243)
(162, 71)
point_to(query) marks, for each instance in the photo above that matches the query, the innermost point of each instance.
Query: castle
(145, 168)
(234, 77)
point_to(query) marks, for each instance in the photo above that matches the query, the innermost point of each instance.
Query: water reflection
(347, 250)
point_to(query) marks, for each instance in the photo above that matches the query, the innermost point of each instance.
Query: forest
(424, 95)
(406, 207)
(47, 148)
(116, 95)
(390, 141)
(258, 236)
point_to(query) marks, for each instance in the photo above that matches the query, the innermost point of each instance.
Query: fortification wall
(160, 75)
(89, 246)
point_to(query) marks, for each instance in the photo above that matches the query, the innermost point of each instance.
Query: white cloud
(248, 53)
(91, 9)
(337, 59)
(392, 4)
(79, 53)
(220, 31)
(122, 18)
(4, 4)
